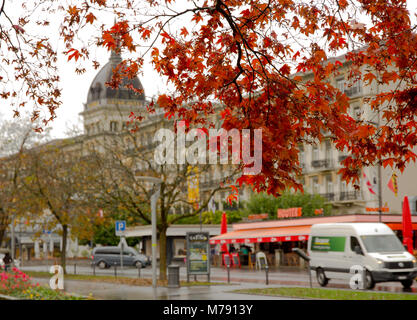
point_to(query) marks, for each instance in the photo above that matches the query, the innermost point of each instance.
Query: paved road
(283, 277)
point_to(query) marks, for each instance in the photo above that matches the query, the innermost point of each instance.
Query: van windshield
(382, 243)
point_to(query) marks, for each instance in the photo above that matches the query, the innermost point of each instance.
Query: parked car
(335, 248)
(106, 257)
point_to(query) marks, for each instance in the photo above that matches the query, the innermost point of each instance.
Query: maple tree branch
(2, 7)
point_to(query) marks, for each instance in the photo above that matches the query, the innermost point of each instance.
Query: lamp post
(154, 199)
(13, 244)
(377, 125)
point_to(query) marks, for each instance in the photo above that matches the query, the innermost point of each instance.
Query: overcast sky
(75, 87)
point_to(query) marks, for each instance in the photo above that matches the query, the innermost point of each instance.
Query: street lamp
(377, 124)
(13, 244)
(154, 199)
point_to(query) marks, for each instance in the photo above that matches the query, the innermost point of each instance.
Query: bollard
(94, 269)
(228, 273)
(75, 268)
(115, 270)
(266, 274)
(139, 265)
(309, 274)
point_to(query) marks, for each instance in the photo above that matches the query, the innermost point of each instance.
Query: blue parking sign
(120, 227)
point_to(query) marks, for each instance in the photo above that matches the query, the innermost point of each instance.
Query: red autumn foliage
(243, 55)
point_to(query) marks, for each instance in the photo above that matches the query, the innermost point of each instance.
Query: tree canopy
(263, 203)
(266, 62)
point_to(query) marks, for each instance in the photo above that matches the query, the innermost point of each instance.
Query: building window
(343, 186)
(356, 112)
(328, 146)
(301, 156)
(315, 152)
(329, 184)
(340, 84)
(180, 248)
(315, 186)
(113, 126)
(354, 87)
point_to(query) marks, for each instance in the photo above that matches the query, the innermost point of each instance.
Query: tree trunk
(163, 253)
(64, 247)
(3, 224)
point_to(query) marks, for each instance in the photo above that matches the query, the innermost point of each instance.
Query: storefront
(277, 238)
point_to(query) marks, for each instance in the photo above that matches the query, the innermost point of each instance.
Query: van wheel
(321, 277)
(407, 283)
(370, 283)
(102, 265)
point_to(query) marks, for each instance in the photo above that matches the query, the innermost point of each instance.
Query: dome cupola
(99, 90)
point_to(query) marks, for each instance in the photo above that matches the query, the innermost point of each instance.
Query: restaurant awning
(295, 233)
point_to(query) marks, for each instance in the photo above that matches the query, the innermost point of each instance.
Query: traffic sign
(120, 227)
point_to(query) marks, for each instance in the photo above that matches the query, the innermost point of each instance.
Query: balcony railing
(330, 196)
(350, 195)
(342, 196)
(322, 164)
(353, 91)
(342, 157)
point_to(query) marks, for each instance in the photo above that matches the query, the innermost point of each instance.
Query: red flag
(223, 229)
(392, 184)
(407, 226)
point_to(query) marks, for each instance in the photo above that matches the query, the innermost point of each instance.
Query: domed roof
(99, 90)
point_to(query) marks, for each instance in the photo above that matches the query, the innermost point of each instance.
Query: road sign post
(120, 230)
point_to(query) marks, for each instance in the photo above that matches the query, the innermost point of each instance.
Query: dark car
(105, 257)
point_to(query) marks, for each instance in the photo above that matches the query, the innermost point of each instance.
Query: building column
(36, 248)
(45, 250)
(51, 246)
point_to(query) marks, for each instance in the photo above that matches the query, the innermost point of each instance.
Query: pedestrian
(7, 259)
(244, 250)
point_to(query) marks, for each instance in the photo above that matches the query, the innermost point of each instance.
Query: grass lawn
(328, 294)
(120, 280)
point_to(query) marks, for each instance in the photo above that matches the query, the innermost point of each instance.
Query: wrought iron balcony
(330, 196)
(350, 195)
(322, 164)
(342, 157)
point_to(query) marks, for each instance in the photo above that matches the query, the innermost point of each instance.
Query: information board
(262, 262)
(235, 259)
(198, 253)
(226, 259)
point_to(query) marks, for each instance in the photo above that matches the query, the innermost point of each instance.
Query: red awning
(296, 233)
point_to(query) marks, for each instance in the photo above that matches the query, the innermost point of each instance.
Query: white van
(335, 247)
